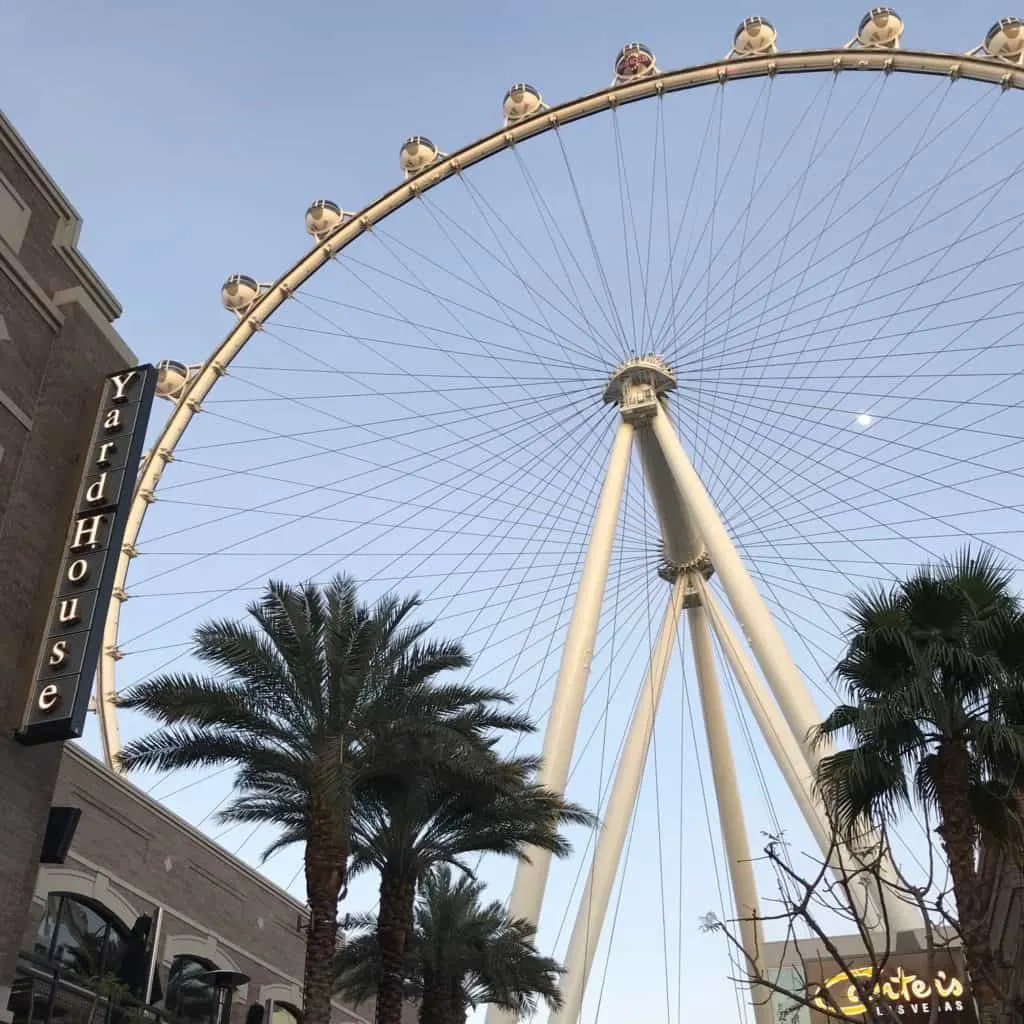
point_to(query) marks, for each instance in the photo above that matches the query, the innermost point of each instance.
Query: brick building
(56, 344)
(129, 855)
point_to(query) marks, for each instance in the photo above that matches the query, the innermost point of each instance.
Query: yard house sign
(59, 699)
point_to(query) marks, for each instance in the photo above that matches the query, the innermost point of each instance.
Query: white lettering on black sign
(70, 651)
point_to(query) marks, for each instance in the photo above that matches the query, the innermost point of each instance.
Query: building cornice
(33, 167)
(25, 283)
(80, 296)
(69, 223)
(65, 243)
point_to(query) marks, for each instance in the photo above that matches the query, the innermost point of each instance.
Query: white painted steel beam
(570, 687)
(730, 807)
(593, 906)
(758, 626)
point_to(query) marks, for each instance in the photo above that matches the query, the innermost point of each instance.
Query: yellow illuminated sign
(909, 994)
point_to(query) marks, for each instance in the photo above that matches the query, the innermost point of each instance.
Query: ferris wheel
(634, 391)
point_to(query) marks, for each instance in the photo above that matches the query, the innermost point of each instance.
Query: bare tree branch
(809, 904)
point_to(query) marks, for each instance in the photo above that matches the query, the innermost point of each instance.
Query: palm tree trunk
(433, 1008)
(959, 838)
(325, 872)
(394, 926)
(1018, 806)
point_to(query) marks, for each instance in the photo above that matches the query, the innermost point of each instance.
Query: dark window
(81, 936)
(189, 998)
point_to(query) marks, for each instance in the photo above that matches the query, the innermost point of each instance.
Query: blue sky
(197, 133)
(192, 139)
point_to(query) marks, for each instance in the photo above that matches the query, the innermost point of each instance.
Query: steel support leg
(781, 742)
(761, 633)
(799, 776)
(784, 749)
(604, 867)
(760, 630)
(730, 809)
(563, 722)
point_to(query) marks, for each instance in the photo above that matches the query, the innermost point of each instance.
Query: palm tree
(316, 698)
(474, 954)
(935, 672)
(406, 827)
(462, 954)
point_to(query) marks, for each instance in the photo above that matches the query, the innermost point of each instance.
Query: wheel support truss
(696, 543)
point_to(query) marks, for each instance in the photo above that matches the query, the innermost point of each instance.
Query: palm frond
(477, 952)
(996, 814)
(860, 786)
(998, 746)
(936, 659)
(185, 746)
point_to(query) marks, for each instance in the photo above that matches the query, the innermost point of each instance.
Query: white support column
(564, 719)
(779, 669)
(593, 906)
(781, 742)
(799, 775)
(764, 638)
(730, 808)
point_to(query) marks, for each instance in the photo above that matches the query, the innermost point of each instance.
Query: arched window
(81, 936)
(189, 997)
(283, 1013)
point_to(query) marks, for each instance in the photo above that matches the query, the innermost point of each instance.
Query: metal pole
(784, 748)
(604, 867)
(902, 917)
(730, 809)
(761, 633)
(563, 722)
(153, 941)
(564, 719)
(760, 630)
